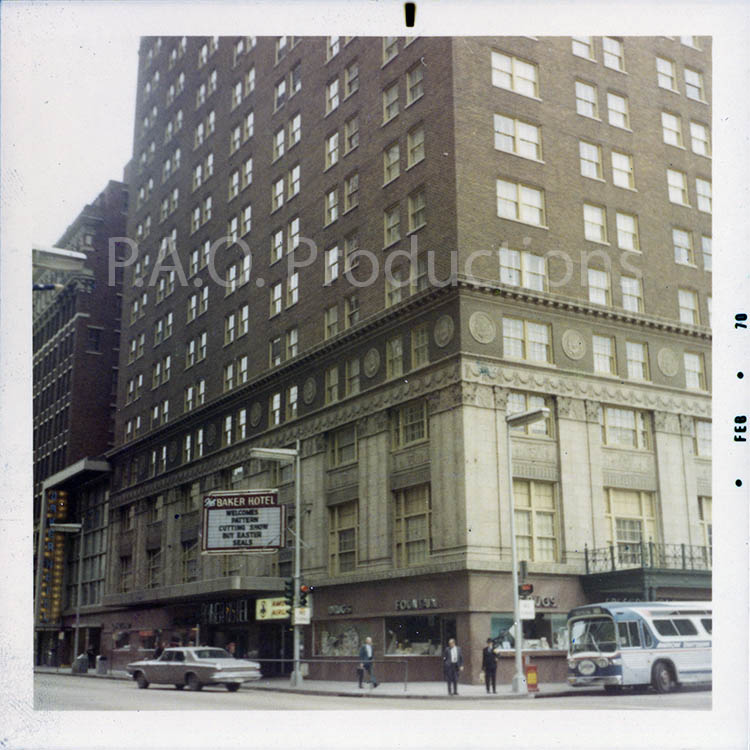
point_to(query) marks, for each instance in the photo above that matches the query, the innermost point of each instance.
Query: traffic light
(304, 590)
(526, 589)
(289, 592)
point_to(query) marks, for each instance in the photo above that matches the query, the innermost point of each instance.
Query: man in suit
(489, 665)
(453, 663)
(365, 659)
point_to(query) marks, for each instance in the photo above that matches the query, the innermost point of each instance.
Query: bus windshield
(592, 634)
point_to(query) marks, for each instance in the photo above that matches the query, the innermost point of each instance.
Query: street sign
(527, 609)
(242, 521)
(274, 608)
(302, 615)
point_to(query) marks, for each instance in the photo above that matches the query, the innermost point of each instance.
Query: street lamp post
(518, 420)
(291, 454)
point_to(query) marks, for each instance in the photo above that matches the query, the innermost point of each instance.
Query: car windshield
(212, 653)
(592, 634)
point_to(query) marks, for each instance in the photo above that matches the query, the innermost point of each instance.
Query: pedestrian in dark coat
(489, 665)
(365, 658)
(453, 664)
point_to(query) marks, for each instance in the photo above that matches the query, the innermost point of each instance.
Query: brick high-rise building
(563, 188)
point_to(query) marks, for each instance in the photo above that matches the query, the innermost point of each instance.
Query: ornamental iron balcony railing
(628, 555)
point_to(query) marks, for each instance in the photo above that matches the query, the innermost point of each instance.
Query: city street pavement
(62, 690)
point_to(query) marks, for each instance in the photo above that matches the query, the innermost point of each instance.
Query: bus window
(648, 639)
(629, 636)
(685, 627)
(707, 623)
(665, 627)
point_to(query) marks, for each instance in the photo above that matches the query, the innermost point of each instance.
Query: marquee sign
(242, 521)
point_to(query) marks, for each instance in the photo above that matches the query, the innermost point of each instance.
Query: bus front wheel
(662, 678)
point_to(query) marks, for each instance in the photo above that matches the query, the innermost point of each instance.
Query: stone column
(670, 463)
(314, 511)
(598, 525)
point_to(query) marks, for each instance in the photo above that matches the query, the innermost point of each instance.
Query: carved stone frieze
(501, 398)
(342, 478)
(535, 470)
(408, 459)
(526, 449)
(628, 461)
(592, 410)
(666, 422)
(629, 480)
(687, 425)
(571, 408)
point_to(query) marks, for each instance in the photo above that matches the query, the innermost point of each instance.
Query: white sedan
(195, 666)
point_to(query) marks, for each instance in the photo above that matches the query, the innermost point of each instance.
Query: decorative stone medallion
(482, 327)
(372, 362)
(256, 412)
(573, 344)
(444, 329)
(211, 434)
(309, 389)
(667, 361)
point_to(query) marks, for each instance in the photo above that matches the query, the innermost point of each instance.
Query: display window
(418, 635)
(546, 631)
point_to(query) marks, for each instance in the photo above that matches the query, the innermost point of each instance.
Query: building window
(702, 438)
(274, 351)
(274, 412)
(707, 254)
(342, 446)
(415, 146)
(704, 516)
(332, 95)
(520, 202)
(332, 385)
(153, 565)
(342, 540)
(617, 111)
(352, 377)
(586, 100)
(517, 137)
(351, 248)
(631, 521)
(275, 299)
(682, 241)
(189, 561)
(351, 306)
(351, 79)
(599, 287)
(277, 245)
(703, 190)
(412, 522)
(699, 139)
(277, 144)
(391, 222)
(614, 56)
(293, 181)
(292, 289)
(390, 102)
(292, 345)
(410, 424)
(420, 346)
(229, 328)
(665, 74)
(694, 85)
(625, 428)
(515, 75)
(279, 94)
(695, 375)
(627, 232)
(331, 321)
(331, 264)
(228, 376)
(125, 582)
(605, 361)
(522, 268)
(519, 402)
(583, 46)
(671, 128)
(677, 185)
(332, 150)
(536, 521)
(295, 130)
(390, 48)
(394, 357)
(277, 194)
(590, 156)
(688, 305)
(391, 163)
(414, 83)
(417, 210)
(331, 206)
(295, 79)
(622, 170)
(351, 134)
(291, 402)
(523, 339)
(351, 192)
(595, 223)
(636, 356)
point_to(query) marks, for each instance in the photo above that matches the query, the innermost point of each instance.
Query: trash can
(102, 665)
(81, 664)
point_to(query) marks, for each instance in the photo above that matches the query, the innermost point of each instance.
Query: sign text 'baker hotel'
(242, 521)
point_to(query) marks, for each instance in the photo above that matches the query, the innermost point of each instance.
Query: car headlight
(602, 662)
(571, 663)
(218, 667)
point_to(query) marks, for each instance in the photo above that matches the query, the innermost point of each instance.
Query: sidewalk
(435, 689)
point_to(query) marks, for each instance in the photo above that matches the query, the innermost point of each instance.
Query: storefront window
(342, 638)
(122, 639)
(418, 636)
(546, 630)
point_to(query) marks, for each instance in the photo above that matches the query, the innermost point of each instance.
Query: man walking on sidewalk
(489, 665)
(453, 663)
(365, 658)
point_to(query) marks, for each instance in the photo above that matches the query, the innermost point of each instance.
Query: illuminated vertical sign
(53, 559)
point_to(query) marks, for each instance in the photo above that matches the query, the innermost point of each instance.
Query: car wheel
(613, 688)
(193, 682)
(661, 678)
(141, 680)
(232, 687)
(179, 686)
